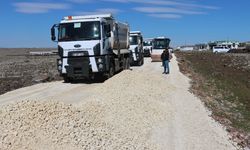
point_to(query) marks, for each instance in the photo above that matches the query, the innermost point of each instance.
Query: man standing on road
(165, 57)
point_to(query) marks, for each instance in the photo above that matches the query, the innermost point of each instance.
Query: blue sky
(27, 23)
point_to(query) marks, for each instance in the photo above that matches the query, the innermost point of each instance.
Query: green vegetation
(223, 82)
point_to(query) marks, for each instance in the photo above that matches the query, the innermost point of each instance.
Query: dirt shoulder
(222, 81)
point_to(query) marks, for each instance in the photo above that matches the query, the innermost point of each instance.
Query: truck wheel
(127, 64)
(66, 79)
(142, 61)
(111, 70)
(124, 64)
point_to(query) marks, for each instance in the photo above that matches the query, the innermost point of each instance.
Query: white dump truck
(147, 47)
(136, 48)
(159, 44)
(91, 46)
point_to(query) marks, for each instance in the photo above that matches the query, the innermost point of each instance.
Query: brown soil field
(19, 69)
(222, 82)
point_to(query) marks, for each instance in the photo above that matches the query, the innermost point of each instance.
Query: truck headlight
(99, 60)
(59, 62)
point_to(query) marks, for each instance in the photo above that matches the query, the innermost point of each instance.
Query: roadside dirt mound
(53, 125)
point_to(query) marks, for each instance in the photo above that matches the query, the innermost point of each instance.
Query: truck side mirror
(108, 34)
(53, 36)
(107, 30)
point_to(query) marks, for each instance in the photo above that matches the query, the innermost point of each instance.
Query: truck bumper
(78, 67)
(156, 57)
(147, 52)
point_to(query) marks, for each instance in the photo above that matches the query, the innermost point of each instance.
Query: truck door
(106, 36)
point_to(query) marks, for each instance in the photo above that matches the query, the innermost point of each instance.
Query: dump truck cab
(159, 45)
(136, 48)
(147, 47)
(90, 45)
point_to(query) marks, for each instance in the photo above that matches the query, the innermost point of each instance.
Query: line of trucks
(99, 45)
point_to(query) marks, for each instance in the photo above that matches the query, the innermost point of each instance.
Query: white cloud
(117, 1)
(79, 1)
(100, 11)
(187, 3)
(166, 10)
(165, 16)
(184, 4)
(31, 7)
(109, 10)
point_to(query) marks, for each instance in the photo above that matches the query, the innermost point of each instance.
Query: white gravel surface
(138, 109)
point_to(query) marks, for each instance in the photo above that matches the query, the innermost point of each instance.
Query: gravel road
(136, 109)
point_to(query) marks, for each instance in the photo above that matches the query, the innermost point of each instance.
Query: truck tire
(66, 79)
(111, 72)
(142, 61)
(127, 64)
(124, 64)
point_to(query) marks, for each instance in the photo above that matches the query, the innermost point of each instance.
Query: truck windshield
(161, 43)
(147, 43)
(79, 31)
(133, 40)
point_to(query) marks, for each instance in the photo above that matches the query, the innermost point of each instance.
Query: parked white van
(220, 49)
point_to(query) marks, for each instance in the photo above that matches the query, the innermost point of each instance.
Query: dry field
(19, 69)
(222, 81)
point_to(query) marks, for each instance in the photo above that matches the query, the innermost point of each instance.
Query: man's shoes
(165, 73)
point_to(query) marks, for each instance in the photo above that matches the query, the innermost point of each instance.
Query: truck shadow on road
(87, 81)
(95, 80)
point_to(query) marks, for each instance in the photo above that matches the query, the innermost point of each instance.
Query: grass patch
(222, 81)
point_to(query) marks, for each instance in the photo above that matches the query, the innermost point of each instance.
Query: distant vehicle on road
(136, 48)
(220, 49)
(159, 44)
(147, 47)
